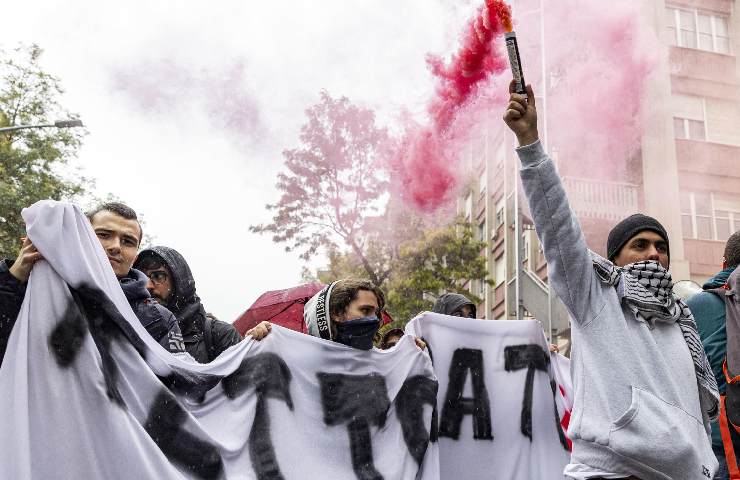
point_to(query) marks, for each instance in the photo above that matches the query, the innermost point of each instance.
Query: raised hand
(521, 115)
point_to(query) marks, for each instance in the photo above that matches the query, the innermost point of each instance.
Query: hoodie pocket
(663, 437)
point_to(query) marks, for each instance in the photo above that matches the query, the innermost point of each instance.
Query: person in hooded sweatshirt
(644, 390)
(171, 283)
(709, 312)
(454, 304)
(119, 231)
(348, 312)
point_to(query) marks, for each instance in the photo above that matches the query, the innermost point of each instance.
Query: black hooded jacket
(205, 336)
(158, 321)
(449, 303)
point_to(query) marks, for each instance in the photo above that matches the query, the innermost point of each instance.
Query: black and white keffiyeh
(647, 289)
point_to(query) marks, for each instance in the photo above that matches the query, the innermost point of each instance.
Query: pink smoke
(598, 59)
(423, 170)
(596, 109)
(178, 90)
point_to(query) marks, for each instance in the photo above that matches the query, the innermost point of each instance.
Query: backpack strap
(208, 321)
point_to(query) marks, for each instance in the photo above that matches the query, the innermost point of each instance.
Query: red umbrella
(284, 308)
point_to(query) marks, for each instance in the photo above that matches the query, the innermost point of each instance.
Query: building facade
(686, 173)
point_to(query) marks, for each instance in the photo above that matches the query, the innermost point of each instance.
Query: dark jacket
(11, 297)
(205, 336)
(709, 312)
(158, 321)
(449, 303)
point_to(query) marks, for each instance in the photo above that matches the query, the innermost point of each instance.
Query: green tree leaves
(32, 161)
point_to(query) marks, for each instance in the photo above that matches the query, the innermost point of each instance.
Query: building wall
(690, 175)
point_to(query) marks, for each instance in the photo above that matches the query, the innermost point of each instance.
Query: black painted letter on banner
(68, 336)
(532, 357)
(416, 392)
(359, 401)
(270, 377)
(456, 406)
(164, 425)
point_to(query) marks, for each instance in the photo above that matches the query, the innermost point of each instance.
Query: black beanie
(628, 228)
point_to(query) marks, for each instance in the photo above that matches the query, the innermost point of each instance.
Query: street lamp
(57, 124)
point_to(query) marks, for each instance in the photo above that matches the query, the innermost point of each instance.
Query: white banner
(87, 393)
(501, 400)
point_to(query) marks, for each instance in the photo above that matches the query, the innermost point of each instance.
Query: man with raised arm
(644, 390)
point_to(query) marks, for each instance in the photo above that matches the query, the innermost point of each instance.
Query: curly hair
(345, 292)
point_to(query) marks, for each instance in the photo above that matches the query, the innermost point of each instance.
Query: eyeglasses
(158, 277)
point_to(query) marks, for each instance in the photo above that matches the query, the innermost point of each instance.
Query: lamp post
(57, 124)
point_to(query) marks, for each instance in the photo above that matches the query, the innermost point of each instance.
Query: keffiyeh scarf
(646, 288)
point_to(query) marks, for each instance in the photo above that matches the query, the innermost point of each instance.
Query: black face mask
(358, 333)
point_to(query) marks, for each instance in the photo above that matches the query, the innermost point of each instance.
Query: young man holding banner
(644, 391)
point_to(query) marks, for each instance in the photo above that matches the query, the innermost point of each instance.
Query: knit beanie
(628, 228)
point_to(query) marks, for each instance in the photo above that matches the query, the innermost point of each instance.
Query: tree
(31, 161)
(440, 260)
(435, 260)
(335, 181)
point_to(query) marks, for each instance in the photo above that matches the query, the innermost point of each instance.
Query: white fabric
(61, 421)
(510, 454)
(578, 471)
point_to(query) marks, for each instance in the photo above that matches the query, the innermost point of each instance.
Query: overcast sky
(189, 105)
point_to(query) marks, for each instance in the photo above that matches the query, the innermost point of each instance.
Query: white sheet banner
(501, 399)
(87, 393)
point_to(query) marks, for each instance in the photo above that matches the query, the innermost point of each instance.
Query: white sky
(198, 182)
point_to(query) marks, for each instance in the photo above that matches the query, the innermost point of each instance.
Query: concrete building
(686, 174)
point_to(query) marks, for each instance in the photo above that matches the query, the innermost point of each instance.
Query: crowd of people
(649, 370)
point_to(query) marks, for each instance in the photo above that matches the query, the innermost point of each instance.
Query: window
(500, 213)
(500, 270)
(691, 28)
(482, 231)
(689, 117)
(482, 182)
(709, 217)
(469, 206)
(482, 289)
(525, 246)
(687, 129)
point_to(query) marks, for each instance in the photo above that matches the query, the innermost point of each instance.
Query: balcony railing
(602, 200)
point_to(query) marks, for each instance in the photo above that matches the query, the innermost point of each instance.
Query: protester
(119, 231)
(709, 311)
(644, 390)
(454, 304)
(171, 283)
(348, 312)
(390, 338)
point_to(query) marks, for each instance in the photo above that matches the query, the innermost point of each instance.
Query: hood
(720, 279)
(182, 278)
(450, 302)
(134, 285)
(316, 313)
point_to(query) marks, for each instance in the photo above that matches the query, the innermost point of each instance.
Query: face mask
(357, 333)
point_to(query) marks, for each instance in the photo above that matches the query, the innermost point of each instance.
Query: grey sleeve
(568, 258)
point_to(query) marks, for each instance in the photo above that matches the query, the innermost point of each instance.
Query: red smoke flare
(423, 170)
(475, 61)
